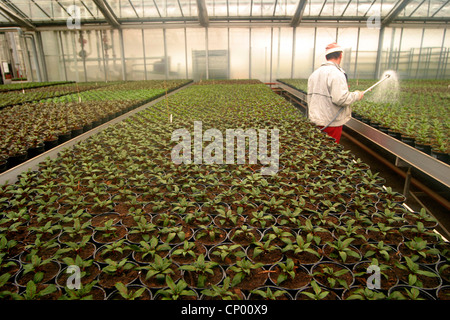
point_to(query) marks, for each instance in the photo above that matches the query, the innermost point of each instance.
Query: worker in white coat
(329, 98)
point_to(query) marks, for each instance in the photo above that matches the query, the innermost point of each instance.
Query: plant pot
(203, 237)
(87, 127)
(103, 237)
(64, 137)
(395, 134)
(3, 165)
(76, 132)
(331, 295)
(17, 159)
(50, 144)
(228, 259)
(226, 224)
(37, 150)
(13, 269)
(244, 239)
(100, 219)
(443, 271)
(388, 278)
(49, 270)
(154, 283)
(322, 280)
(428, 283)
(383, 129)
(89, 274)
(443, 293)
(146, 295)
(266, 258)
(85, 253)
(192, 278)
(423, 295)
(255, 296)
(429, 260)
(256, 278)
(442, 156)
(334, 255)
(377, 295)
(408, 140)
(301, 280)
(108, 281)
(424, 147)
(181, 258)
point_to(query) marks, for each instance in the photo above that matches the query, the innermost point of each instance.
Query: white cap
(332, 47)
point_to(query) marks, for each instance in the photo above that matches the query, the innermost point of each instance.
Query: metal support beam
(107, 13)
(379, 52)
(202, 13)
(16, 18)
(298, 13)
(394, 12)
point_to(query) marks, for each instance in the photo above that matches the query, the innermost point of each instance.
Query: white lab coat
(327, 94)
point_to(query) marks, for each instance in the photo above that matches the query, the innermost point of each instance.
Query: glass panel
(282, 53)
(176, 53)
(304, 47)
(218, 53)
(261, 54)
(134, 54)
(239, 53)
(195, 47)
(48, 10)
(154, 54)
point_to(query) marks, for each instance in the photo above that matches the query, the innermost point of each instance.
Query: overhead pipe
(27, 35)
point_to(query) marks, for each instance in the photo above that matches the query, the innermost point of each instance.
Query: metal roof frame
(16, 17)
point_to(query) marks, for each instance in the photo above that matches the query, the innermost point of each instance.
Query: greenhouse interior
(224, 150)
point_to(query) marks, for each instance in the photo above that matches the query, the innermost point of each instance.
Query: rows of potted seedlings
(13, 97)
(420, 116)
(139, 226)
(29, 85)
(31, 128)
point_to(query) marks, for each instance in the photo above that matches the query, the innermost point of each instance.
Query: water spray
(385, 77)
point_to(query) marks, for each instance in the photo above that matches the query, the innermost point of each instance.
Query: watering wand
(385, 77)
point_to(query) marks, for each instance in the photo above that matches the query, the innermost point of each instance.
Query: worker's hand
(360, 93)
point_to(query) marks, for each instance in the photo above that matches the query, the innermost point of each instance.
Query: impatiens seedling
(317, 294)
(202, 268)
(243, 269)
(160, 269)
(128, 294)
(176, 291)
(268, 294)
(223, 292)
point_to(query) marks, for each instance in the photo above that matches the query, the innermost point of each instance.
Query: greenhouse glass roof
(34, 14)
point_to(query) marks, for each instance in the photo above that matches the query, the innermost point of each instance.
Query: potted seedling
(224, 292)
(176, 291)
(316, 292)
(302, 249)
(269, 293)
(187, 252)
(146, 251)
(246, 274)
(201, 273)
(289, 274)
(118, 271)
